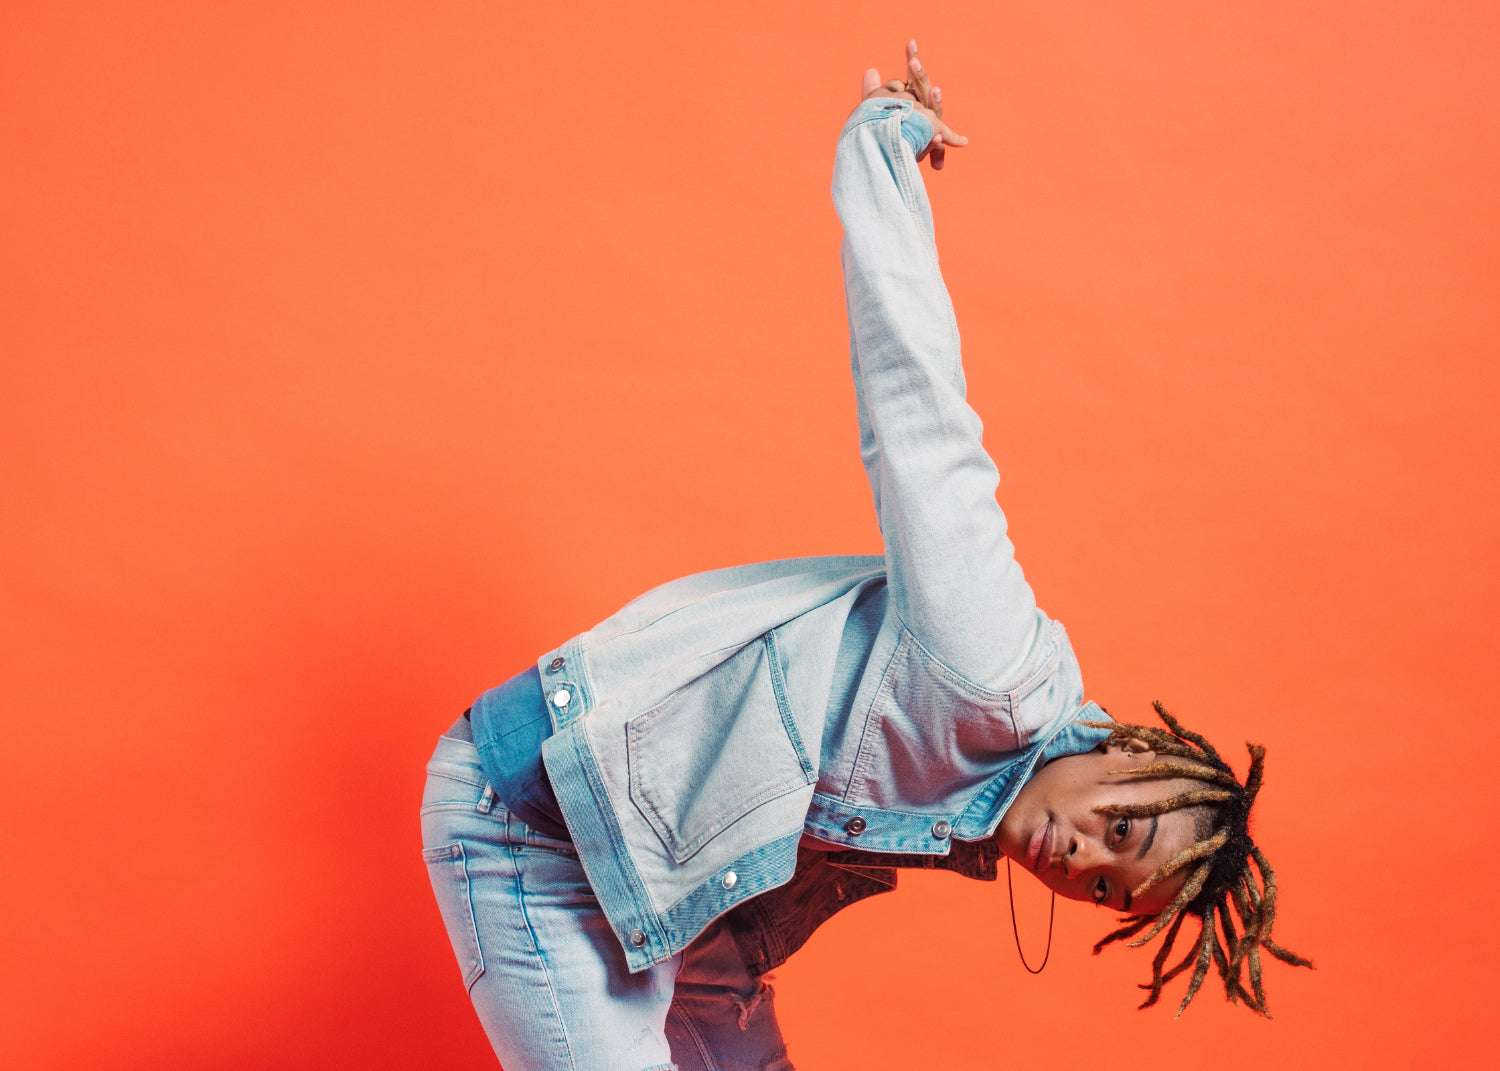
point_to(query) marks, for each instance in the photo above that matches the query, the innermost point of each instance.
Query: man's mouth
(1039, 848)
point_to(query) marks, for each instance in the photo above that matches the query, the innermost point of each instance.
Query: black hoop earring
(1051, 914)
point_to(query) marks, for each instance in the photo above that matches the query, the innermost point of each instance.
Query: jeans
(546, 974)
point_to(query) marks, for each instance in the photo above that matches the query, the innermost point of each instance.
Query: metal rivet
(855, 826)
(637, 937)
(561, 697)
(729, 878)
(941, 829)
(556, 664)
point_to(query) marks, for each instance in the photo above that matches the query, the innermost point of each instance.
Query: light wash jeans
(542, 966)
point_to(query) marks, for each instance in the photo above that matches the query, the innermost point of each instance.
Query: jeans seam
(536, 946)
(691, 1029)
(474, 975)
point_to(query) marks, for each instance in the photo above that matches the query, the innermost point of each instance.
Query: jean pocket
(448, 869)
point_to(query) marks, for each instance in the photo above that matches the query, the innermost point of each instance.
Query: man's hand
(928, 100)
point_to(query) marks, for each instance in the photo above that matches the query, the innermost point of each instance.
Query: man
(626, 837)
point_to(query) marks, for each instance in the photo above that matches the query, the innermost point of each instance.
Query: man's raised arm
(954, 580)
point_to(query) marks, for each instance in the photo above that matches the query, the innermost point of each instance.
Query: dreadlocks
(1222, 890)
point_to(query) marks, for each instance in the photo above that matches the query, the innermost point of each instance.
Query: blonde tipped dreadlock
(1221, 888)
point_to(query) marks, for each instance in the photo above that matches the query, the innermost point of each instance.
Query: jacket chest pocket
(716, 749)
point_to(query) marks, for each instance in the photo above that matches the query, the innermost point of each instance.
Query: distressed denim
(543, 970)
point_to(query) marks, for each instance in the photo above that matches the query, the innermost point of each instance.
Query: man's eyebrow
(1145, 846)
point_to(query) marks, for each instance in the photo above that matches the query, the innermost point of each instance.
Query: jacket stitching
(783, 706)
(639, 894)
(896, 148)
(872, 718)
(682, 848)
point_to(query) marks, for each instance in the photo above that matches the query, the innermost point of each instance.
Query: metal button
(855, 826)
(556, 664)
(561, 697)
(637, 937)
(941, 829)
(729, 878)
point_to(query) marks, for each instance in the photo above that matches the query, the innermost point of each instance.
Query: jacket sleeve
(954, 581)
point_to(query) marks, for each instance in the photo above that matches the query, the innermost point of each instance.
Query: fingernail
(912, 44)
(937, 94)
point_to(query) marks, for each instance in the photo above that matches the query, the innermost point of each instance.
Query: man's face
(1053, 830)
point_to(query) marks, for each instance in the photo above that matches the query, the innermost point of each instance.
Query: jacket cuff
(916, 128)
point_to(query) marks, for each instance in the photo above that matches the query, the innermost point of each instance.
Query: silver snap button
(941, 829)
(729, 878)
(637, 937)
(556, 664)
(561, 697)
(855, 826)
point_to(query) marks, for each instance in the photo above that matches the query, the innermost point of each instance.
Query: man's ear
(1134, 746)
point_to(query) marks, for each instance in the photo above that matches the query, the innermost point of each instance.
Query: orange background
(356, 353)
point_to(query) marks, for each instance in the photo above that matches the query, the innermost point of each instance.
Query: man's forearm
(954, 580)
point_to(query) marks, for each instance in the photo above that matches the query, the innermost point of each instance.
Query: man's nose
(1079, 856)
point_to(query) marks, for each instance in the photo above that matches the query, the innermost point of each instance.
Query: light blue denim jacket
(884, 704)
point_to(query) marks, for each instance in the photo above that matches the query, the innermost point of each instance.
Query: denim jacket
(887, 705)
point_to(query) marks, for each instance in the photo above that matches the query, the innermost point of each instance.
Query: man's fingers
(919, 83)
(946, 135)
(917, 76)
(936, 150)
(929, 101)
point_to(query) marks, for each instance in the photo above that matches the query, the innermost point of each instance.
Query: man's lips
(1041, 840)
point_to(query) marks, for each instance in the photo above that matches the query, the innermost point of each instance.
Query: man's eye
(1101, 891)
(1122, 830)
